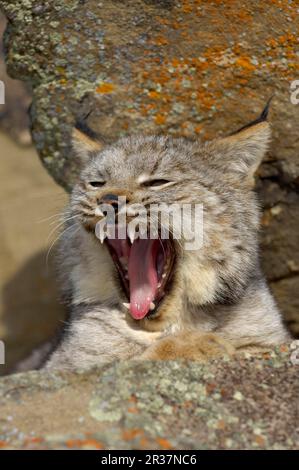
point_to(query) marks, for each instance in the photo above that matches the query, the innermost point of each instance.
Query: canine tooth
(131, 234)
(126, 305)
(102, 237)
(98, 212)
(159, 285)
(164, 275)
(152, 306)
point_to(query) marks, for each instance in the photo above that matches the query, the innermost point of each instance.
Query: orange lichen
(271, 42)
(198, 129)
(71, 443)
(187, 8)
(87, 443)
(133, 410)
(210, 387)
(187, 404)
(83, 443)
(160, 119)
(154, 94)
(288, 38)
(160, 41)
(221, 425)
(245, 63)
(144, 443)
(105, 88)
(259, 440)
(163, 443)
(224, 392)
(129, 434)
(34, 440)
(133, 399)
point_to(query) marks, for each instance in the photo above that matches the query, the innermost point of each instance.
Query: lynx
(153, 299)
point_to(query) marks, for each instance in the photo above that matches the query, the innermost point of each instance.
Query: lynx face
(152, 170)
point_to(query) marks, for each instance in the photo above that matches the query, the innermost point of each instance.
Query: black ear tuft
(262, 118)
(85, 140)
(81, 125)
(265, 112)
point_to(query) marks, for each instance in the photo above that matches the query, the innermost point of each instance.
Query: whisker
(56, 240)
(60, 214)
(60, 224)
(64, 218)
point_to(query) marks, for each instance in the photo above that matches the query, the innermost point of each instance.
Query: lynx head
(148, 170)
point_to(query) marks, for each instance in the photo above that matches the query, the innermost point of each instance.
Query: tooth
(131, 234)
(126, 305)
(152, 306)
(102, 236)
(98, 212)
(164, 275)
(159, 285)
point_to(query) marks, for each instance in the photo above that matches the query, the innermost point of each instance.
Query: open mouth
(145, 269)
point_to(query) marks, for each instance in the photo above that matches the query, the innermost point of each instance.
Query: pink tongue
(143, 276)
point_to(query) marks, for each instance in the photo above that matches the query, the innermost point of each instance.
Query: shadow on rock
(31, 310)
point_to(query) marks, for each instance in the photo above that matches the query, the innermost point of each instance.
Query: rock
(244, 403)
(284, 291)
(14, 119)
(186, 68)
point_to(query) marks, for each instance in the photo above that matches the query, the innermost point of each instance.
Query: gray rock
(244, 403)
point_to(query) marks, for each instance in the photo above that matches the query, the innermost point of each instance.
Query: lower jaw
(155, 322)
(150, 316)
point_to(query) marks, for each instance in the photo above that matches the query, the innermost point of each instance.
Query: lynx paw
(193, 346)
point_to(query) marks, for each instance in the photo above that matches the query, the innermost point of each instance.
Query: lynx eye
(97, 184)
(156, 183)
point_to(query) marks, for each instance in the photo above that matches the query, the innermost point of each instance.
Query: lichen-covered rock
(14, 118)
(245, 403)
(185, 67)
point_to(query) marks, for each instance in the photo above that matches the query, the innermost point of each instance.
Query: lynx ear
(85, 141)
(244, 150)
(247, 148)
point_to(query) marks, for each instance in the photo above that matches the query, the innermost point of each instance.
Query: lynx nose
(111, 199)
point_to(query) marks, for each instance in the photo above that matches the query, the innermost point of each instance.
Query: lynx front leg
(195, 346)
